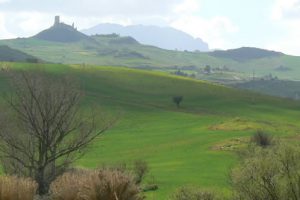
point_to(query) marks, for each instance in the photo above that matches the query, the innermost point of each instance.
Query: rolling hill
(191, 145)
(11, 55)
(282, 88)
(162, 37)
(64, 44)
(245, 53)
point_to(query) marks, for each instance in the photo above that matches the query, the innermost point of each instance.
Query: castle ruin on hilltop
(56, 20)
(58, 23)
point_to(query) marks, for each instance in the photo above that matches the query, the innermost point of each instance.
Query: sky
(223, 24)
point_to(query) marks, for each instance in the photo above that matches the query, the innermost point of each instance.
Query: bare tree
(46, 130)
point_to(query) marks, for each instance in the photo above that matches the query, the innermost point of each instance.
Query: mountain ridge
(162, 37)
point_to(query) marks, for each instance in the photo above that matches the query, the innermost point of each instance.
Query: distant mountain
(163, 37)
(61, 32)
(245, 54)
(8, 54)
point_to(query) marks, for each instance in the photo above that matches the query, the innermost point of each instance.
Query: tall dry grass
(104, 184)
(14, 188)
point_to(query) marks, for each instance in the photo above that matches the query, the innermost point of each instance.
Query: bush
(104, 184)
(140, 170)
(13, 188)
(67, 186)
(112, 185)
(262, 139)
(269, 173)
(186, 193)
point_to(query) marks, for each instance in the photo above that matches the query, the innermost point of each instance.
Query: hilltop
(61, 32)
(245, 53)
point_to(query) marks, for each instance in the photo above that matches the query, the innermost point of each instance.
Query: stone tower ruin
(57, 20)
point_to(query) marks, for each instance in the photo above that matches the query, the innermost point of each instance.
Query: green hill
(62, 43)
(246, 53)
(124, 51)
(191, 145)
(11, 55)
(282, 88)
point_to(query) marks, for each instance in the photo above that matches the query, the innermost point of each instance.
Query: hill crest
(162, 37)
(61, 32)
(245, 53)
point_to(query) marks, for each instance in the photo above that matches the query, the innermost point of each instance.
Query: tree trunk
(43, 185)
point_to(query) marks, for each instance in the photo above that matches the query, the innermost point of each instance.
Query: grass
(16, 188)
(177, 143)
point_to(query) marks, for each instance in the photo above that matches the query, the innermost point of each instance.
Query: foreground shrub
(104, 184)
(67, 186)
(13, 188)
(140, 169)
(186, 193)
(112, 185)
(269, 174)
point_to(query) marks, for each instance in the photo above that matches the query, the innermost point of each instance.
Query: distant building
(57, 20)
(57, 23)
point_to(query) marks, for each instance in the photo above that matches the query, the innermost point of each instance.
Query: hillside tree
(44, 130)
(177, 100)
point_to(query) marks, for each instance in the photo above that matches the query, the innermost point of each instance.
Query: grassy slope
(8, 54)
(177, 143)
(104, 52)
(290, 89)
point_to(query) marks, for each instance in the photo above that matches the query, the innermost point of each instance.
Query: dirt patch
(231, 145)
(238, 124)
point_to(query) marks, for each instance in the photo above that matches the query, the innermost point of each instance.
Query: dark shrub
(177, 100)
(262, 139)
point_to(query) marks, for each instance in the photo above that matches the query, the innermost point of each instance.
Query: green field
(191, 145)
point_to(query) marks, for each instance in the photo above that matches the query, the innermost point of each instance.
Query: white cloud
(4, 1)
(4, 33)
(286, 9)
(288, 43)
(95, 8)
(286, 15)
(211, 30)
(187, 6)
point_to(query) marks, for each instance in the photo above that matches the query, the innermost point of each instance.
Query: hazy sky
(271, 24)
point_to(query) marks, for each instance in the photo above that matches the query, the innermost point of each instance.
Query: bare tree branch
(48, 129)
